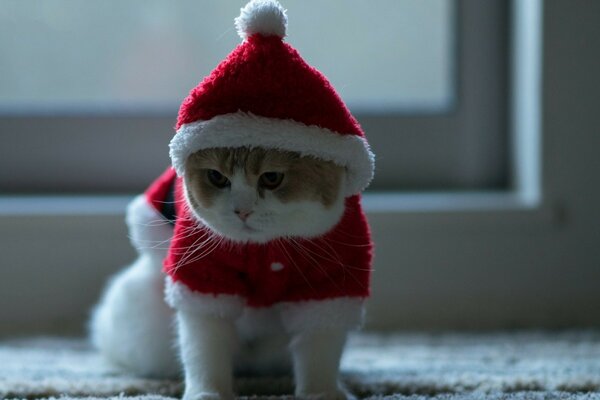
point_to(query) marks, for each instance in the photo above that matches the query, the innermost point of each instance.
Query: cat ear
(266, 17)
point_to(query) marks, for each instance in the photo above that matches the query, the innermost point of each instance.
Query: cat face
(256, 195)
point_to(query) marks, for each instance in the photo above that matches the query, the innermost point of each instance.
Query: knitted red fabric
(267, 77)
(157, 192)
(337, 264)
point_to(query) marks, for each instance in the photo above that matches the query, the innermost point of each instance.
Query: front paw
(207, 395)
(334, 394)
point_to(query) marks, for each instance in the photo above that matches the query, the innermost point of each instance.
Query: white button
(276, 266)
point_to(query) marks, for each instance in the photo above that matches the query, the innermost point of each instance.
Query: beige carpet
(531, 365)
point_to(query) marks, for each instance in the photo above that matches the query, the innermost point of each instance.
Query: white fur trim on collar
(181, 298)
(247, 130)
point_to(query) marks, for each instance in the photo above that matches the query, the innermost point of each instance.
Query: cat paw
(208, 395)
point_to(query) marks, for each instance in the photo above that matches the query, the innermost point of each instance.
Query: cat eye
(217, 179)
(270, 180)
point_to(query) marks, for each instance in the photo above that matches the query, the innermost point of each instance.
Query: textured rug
(530, 365)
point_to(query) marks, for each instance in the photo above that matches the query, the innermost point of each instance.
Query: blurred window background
(483, 116)
(96, 86)
(79, 55)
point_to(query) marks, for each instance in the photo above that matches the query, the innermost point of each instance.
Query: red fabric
(334, 265)
(267, 77)
(157, 192)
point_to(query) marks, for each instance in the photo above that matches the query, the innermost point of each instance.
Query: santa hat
(265, 95)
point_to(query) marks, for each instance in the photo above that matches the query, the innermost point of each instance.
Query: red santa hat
(265, 95)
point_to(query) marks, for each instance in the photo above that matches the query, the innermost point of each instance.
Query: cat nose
(242, 214)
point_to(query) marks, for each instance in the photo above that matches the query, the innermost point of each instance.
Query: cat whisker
(344, 243)
(190, 250)
(324, 241)
(151, 244)
(349, 234)
(305, 253)
(206, 253)
(175, 201)
(323, 252)
(156, 222)
(345, 267)
(291, 259)
(186, 232)
(212, 242)
(207, 248)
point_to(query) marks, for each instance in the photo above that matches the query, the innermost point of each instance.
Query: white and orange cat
(254, 245)
(243, 196)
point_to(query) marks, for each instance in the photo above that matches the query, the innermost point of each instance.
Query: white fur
(318, 333)
(316, 358)
(260, 327)
(149, 232)
(338, 313)
(242, 129)
(132, 325)
(207, 345)
(266, 17)
(319, 330)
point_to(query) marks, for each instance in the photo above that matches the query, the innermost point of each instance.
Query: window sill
(468, 213)
(76, 205)
(412, 212)
(446, 202)
(374, 203)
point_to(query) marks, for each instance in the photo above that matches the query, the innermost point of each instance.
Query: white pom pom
(266, 17)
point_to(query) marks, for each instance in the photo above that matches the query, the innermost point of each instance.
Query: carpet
(519, 366)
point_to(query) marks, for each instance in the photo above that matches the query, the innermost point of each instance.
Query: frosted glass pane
(71, 53)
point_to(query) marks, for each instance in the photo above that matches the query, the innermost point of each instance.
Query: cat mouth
(248, 229)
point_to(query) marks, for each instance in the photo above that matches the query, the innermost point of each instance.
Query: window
(443, 263)
(97, 91)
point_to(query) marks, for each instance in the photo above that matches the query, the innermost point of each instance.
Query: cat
(236, 205)
(256, 231)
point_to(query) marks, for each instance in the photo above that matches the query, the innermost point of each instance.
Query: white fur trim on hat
(242, 129)
(341, 312)
(266, 17)
(182, 298)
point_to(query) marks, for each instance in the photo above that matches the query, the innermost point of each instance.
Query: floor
(517, 365)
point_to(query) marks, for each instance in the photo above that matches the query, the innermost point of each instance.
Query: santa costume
(265, 95)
